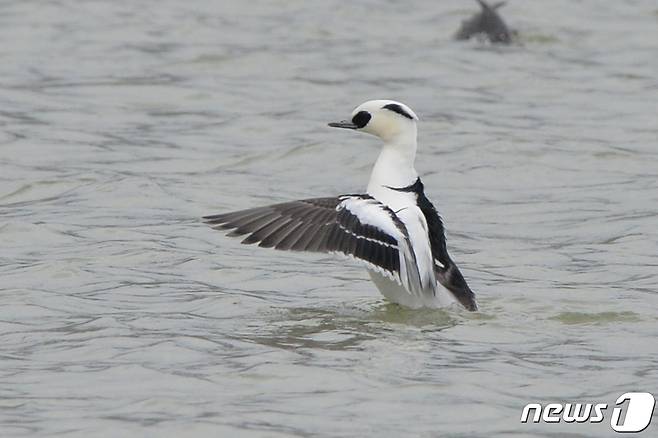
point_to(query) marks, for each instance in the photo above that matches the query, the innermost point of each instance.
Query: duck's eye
(361, 119)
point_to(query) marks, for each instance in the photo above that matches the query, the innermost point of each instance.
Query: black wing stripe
(340, 240)
(390, 259)
(351, 224)
(361, 248)
(375, 254)
(325, 244)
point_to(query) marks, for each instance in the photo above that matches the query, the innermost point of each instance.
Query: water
(124, 122)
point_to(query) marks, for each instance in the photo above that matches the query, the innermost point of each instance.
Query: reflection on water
(596, 318)
(345, 328)
(121, 124)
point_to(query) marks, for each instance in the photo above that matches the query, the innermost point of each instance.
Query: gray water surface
(121, 123)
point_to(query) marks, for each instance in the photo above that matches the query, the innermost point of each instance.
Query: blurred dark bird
(486, 24)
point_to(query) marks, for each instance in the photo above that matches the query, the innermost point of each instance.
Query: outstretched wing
(358, 226)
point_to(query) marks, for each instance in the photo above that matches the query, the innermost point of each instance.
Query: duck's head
(386, 119)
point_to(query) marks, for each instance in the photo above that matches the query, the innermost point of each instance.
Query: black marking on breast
(416, 187)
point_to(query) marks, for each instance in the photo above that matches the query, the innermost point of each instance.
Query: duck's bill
(343, 124)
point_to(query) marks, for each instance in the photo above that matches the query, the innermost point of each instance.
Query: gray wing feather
(342, 224)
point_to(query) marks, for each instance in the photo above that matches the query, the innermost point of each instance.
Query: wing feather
(357, 226)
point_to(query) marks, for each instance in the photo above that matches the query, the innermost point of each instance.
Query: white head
(387, 119)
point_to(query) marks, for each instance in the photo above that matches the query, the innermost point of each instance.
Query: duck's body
(393, 228)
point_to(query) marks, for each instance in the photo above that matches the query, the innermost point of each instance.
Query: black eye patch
(398, 109)
(361, 119)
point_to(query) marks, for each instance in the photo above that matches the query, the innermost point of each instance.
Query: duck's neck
(395, 165)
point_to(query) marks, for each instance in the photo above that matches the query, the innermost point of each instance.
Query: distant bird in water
(392, 228)
(487, 23)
